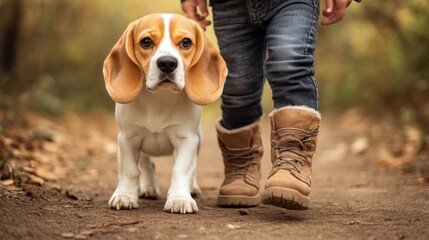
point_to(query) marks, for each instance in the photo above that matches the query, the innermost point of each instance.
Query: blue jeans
(272, 39)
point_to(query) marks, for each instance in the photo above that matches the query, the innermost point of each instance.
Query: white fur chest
(154, 118)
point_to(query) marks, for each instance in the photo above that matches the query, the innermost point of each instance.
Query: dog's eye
(146, 43)
(186, 43)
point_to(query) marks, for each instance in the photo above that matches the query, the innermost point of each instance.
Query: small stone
(29, 194)
(232, 226)
(202, 229)
(54, 186)
(360, 145)
(87, 233)
(71, 195)
(243, 212)
(67, 235)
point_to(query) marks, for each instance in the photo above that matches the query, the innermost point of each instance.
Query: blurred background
(51, 55)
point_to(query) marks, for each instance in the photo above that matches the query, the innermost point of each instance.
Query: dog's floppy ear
(122, 73)
(207, 72)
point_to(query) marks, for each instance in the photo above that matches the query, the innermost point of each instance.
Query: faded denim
(266, 39)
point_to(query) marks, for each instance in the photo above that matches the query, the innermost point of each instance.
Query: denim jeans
(266, 39)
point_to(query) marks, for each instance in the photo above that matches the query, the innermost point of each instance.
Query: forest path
(351, 199)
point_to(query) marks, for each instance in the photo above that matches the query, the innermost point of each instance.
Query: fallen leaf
(34, 180)
(46, 174)
(420, 180)
(7, 182)
(28, 169)
(393, 162)
(87, 232)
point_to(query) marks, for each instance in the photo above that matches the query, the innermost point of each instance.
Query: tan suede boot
(242, 151)
(294, 133)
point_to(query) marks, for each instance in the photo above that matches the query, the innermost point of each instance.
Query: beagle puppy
(159, 73)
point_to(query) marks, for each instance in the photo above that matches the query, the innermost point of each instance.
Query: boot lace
(239, 160)
(292, 140)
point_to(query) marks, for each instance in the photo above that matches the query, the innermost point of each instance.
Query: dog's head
(164, 51)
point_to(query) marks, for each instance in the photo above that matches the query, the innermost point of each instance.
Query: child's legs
(291, 41)
(242, 46)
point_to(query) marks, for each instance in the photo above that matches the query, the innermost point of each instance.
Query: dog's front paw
(180, 204)
(150, 192)
(123, 200)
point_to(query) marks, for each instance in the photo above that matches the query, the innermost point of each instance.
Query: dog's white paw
(180, 204)
(150, 192)
(122, 200)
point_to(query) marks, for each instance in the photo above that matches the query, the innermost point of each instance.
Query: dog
(160, 73)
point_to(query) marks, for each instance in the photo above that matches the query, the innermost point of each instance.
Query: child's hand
(334, 11)
(189, 7)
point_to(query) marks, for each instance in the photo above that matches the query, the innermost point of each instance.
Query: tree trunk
(9, 28)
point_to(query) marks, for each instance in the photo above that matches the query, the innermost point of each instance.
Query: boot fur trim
(302, 108)
(223, 130)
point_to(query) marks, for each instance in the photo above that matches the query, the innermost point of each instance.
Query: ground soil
(351, 198)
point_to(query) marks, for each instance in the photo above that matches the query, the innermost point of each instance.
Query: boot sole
(238, 201)
(285, 198)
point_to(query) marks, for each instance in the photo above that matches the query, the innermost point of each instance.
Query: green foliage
(377, 58)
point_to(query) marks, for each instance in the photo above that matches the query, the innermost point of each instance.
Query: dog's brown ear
(122, 73)
(207, 72)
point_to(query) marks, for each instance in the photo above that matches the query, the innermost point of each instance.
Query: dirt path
(351, 199)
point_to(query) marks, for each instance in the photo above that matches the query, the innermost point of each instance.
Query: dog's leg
(195, 189)
(127, 191)
(179, 199)
(148, 183)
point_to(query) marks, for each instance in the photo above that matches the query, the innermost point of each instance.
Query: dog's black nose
(167, 64)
